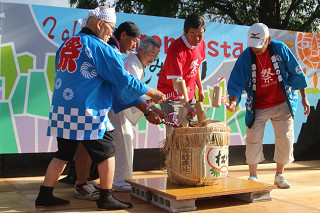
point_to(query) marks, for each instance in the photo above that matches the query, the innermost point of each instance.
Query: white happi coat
(123, 121)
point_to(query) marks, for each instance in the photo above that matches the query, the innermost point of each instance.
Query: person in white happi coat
(135, 64)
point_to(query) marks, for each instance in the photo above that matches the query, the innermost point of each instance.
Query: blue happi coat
(291, 75)
(90, 79)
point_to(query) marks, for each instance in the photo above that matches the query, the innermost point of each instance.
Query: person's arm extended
(199, 85)
(152, 114)
(305, 102)
(232, 104)
(156, 95)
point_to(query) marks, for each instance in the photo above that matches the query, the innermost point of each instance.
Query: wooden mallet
(182, 117)
(201, 115)
(182, 90)
(216, 96)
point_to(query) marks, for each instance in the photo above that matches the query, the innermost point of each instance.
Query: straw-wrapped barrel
(198, 155)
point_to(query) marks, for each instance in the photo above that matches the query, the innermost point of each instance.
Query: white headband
(108, 15)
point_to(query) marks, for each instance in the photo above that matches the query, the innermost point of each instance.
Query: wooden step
(162, 192)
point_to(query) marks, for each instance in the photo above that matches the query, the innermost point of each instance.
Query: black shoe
(68, 179)
(108, 202)
(112, 204)
(46, 198)
(71, 178)
(52, 201)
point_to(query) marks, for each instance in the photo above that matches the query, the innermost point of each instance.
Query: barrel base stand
(163, 193)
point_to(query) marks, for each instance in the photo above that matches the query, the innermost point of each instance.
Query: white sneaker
(86, 192)
(281, 182)
(253, 179)
(121, 187)
(93, 183)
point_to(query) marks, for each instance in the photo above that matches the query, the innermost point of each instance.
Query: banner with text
(31, 34)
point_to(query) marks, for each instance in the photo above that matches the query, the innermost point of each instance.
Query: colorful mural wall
(31, 34)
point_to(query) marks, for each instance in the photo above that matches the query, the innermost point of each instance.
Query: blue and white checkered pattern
(78, 124)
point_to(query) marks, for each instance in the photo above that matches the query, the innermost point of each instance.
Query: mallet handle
(173, 94)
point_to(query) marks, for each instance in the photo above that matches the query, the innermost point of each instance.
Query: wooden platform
(18, 194)
(177, 198)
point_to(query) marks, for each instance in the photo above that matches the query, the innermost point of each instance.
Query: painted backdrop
(31, 34)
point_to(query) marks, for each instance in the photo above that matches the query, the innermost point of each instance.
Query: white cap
(257, 35)
(107, 14)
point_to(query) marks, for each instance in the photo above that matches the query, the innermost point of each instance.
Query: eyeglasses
(153, 56)
(112, 28)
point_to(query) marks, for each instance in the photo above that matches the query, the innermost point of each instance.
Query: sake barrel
(198, 155)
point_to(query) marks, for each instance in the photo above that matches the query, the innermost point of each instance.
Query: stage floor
(18, 194)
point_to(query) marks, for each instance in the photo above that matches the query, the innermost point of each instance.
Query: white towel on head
(108, 15)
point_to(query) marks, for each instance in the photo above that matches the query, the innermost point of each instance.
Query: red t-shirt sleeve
(175, 64)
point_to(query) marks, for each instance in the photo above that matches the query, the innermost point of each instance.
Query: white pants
(282, 123)
(123, 137)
